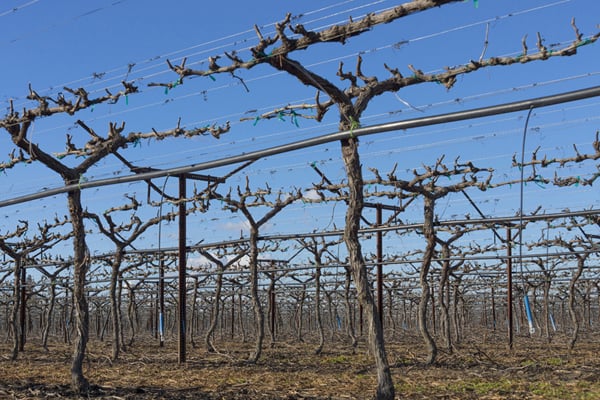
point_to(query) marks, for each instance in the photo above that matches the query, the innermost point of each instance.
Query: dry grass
(476, 370)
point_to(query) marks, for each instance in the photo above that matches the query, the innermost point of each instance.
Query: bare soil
(482, 368)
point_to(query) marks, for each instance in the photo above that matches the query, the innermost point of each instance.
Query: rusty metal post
(232, 314)
(182, 270)
(379, 266)
(493, 308)
(161, 301)
(273, 313)
(432, 295)
(23, 309)
(360, 318)
(155, 311)
(509, 297)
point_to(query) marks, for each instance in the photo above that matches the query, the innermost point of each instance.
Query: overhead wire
(65, 20)
(166, 70)
(17, 8)
(369, 155)
(159, 59)
(203, 165)
(368, 117)
(390, 150)
(558, 2)
(213, 149)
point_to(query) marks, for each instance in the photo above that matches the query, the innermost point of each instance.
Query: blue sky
(95, 45)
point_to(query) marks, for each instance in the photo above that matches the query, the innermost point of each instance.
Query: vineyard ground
(480, 368)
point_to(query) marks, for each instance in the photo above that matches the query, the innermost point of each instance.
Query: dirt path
(475, 370)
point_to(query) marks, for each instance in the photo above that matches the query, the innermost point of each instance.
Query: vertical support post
(432, 296)
(232, 314)
(273, 312)
(65, 320)
(182, 270)
(379, 266)
(23, 309)
(493, 308)
(161, 300)
(152, 322)
(360, 318)
(484, 312)
(156, 313)
(509, 297)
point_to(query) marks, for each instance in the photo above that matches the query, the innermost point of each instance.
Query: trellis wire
(327, 138)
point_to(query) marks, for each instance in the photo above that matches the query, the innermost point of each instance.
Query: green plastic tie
(353, 125)
(126, 100)
(256, 120)
(539, 180)
(584, 42)
(82, 179)
(280, 116)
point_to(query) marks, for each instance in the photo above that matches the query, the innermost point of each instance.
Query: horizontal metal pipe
(63, 281)
(471, 221)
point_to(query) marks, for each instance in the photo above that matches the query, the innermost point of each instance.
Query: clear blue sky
(95, 45)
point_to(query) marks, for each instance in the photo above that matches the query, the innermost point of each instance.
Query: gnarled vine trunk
(48, 315)
(259, 316)
(16, 327)
(385, 386)
(318, 316)
(114, 305)
(572, 301)
(429, 234)
(80, 267)
(350, 331)
(443, 292)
